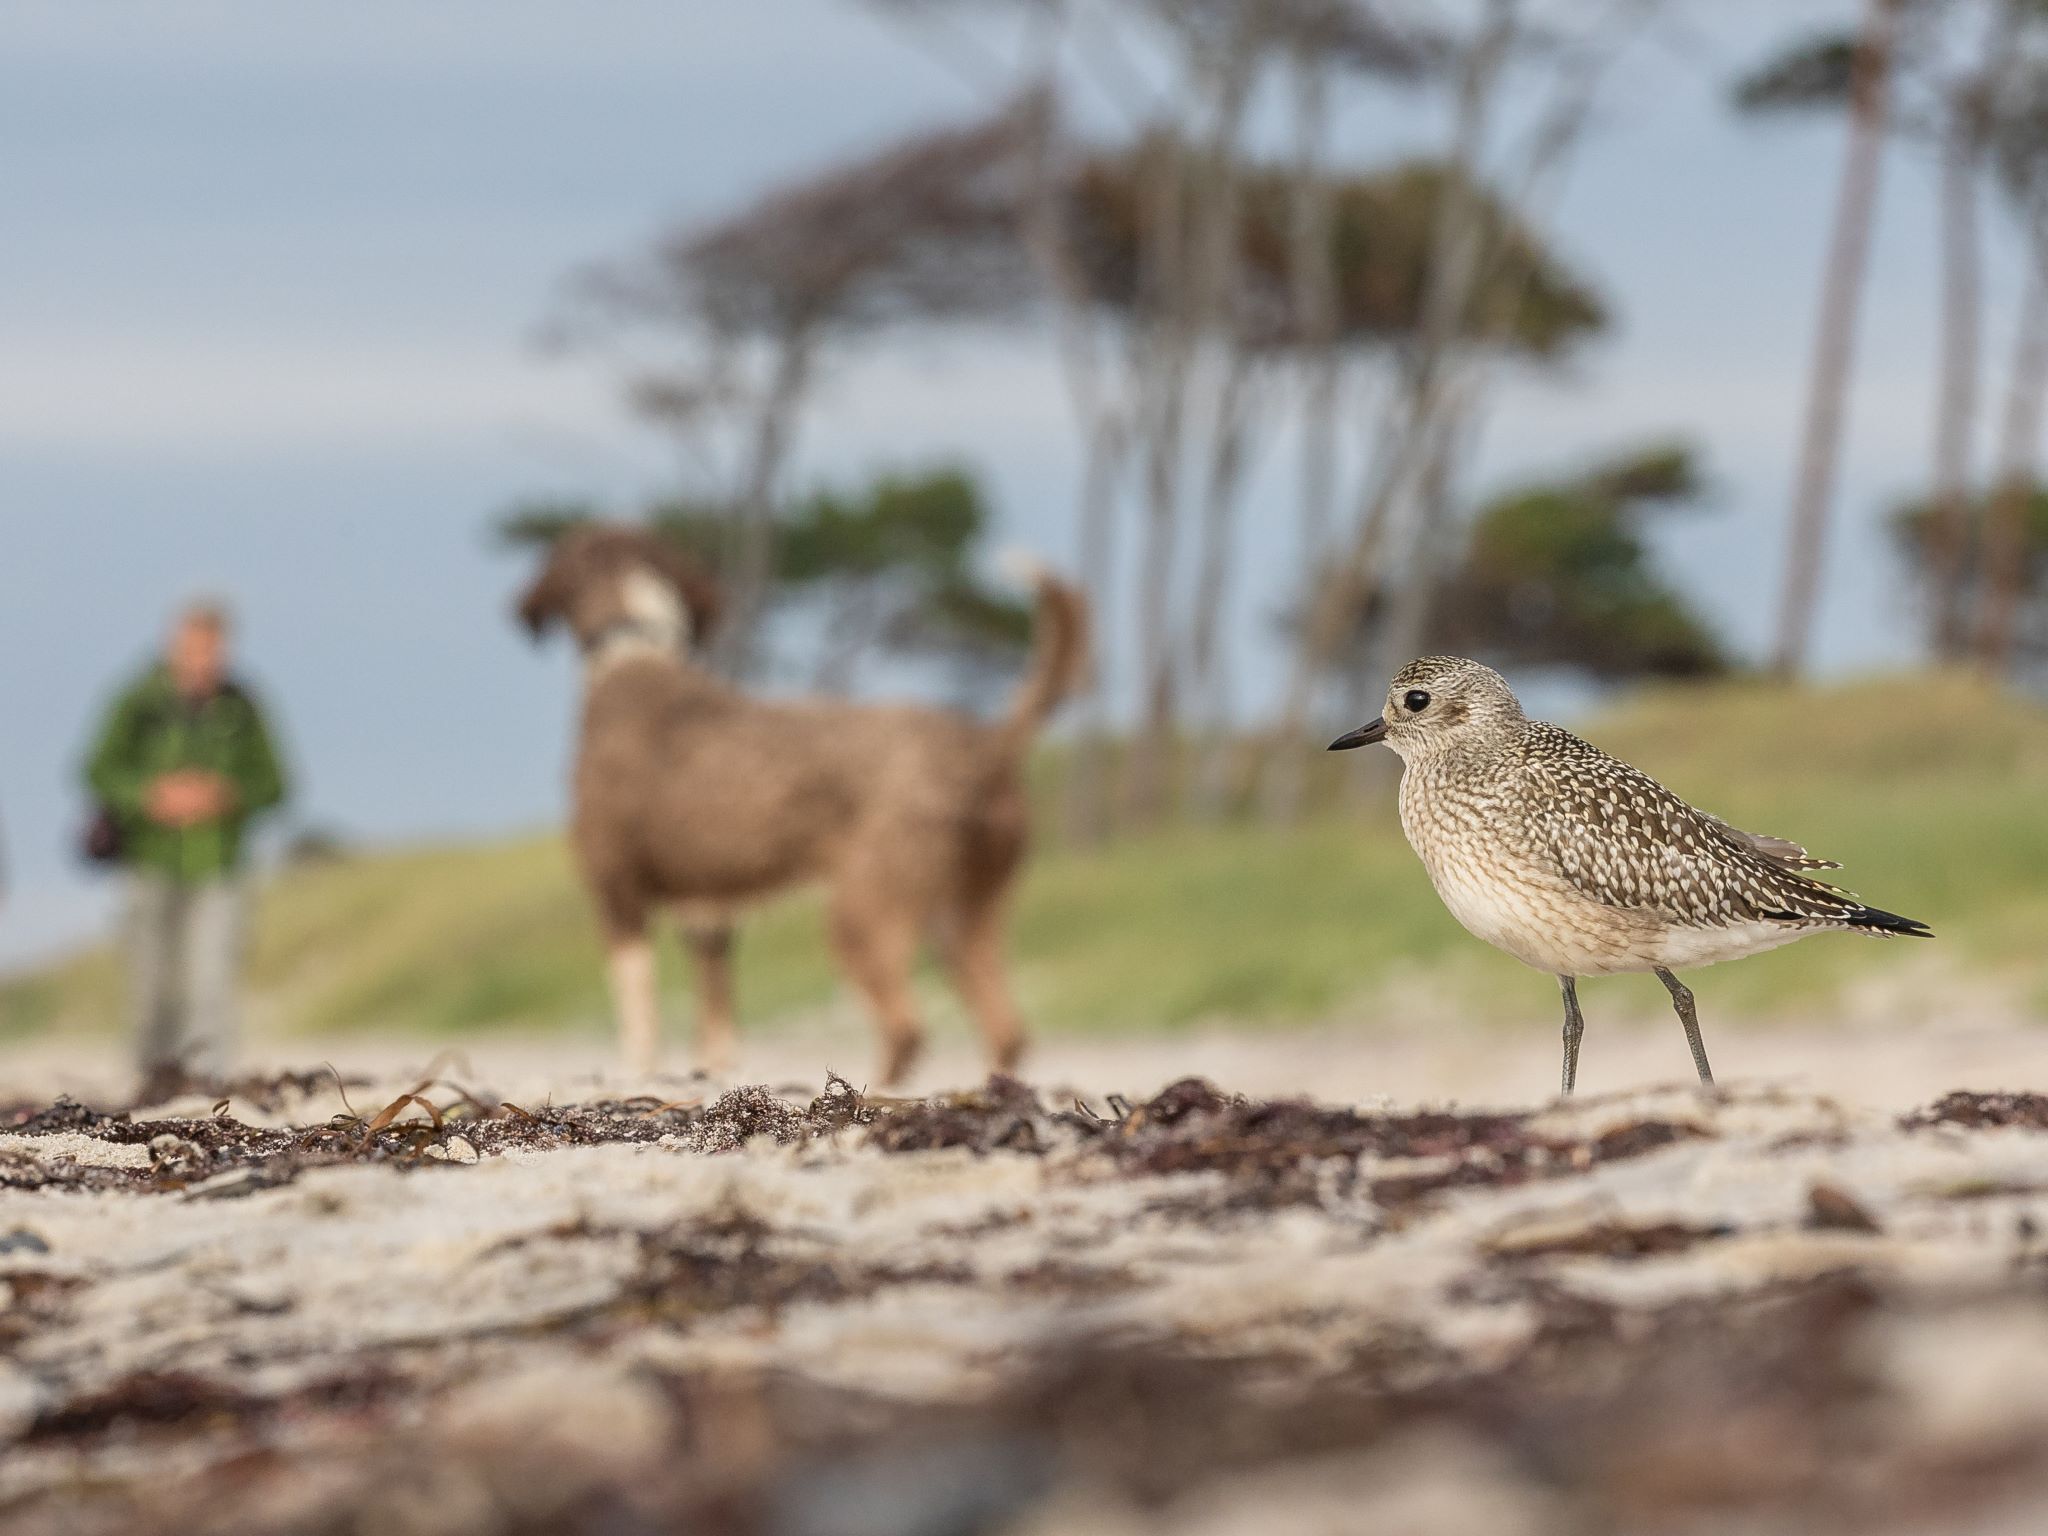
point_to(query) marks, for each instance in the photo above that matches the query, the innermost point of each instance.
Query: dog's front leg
(717, 1039)
(635, 1004)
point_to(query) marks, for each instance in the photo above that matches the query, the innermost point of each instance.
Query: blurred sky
(272, 274)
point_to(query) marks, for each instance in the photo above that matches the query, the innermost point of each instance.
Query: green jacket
(152, 730)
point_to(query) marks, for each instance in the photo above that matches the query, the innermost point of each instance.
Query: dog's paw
(900, 1059)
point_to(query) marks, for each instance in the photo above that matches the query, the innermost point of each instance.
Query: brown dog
(691, 795)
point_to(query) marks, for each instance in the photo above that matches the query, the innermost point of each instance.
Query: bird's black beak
(1364, 736)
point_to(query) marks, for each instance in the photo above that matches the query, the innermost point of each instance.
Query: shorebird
(1579, 865)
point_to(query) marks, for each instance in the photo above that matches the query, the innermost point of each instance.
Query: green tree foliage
(886, 568)
(1911, 523)
(1811, 75)
(537, 523)
(700, 528)
(1914, 530)
(1382, 228)
(891, 566)
(1558, 574)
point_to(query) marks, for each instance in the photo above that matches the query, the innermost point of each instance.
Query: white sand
(461, 1278)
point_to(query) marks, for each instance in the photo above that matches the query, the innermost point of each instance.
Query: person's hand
(210, 795)
(187, 797)
(217, 797)
(170, 800)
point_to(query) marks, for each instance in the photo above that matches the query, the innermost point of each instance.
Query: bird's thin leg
(1574, 1027)
(1681, 999)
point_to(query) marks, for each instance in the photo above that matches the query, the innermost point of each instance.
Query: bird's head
(1439, 704)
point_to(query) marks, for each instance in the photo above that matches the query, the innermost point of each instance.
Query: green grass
(1933, 791)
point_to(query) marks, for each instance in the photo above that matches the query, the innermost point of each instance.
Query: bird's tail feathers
(1888, 925)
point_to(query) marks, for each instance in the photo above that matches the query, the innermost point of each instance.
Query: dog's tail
(1059, 649)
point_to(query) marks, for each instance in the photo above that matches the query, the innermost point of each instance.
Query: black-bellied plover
(1577, 864)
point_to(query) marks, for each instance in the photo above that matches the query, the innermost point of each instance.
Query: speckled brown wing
(1779, 850)
(1625, 840)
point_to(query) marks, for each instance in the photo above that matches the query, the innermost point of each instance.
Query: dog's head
(604, 577)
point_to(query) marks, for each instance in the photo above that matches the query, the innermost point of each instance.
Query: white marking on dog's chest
(657, 624)
(653, 605)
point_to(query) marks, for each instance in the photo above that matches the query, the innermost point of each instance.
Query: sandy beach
(1117, 1302)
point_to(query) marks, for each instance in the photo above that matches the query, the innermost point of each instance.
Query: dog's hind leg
(974, 954)
(878, 947)
(635, 1003)
(711, 949)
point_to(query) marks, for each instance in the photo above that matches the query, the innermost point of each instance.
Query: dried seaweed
(1284, 1151)
(1272, 1152)
(1981, 1111)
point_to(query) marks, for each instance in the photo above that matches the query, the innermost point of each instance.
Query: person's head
(1439, 704)
(197, 653)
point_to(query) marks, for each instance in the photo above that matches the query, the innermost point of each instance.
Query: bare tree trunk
(1404, 631)
(1206, 665)
(853, 625)
(1433, 543)
(1088, 800)
(2005, 532)
(1334, 596)
(1162, 376)
(1280, 771)
(1455, 242)
(1312, 281)
(1201, 247)
(1407, 625)
(1318, 458)
(1835, 338)
(1089, 805)
(1965, 137)
(1956, 404)
(753, 547)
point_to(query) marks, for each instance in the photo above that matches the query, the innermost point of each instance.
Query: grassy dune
(1932, 791)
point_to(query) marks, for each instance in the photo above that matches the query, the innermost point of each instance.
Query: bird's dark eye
(1416, 701)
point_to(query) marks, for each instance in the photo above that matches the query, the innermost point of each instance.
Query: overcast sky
(271, 277)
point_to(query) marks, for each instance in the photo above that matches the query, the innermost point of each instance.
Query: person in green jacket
(184, 763)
